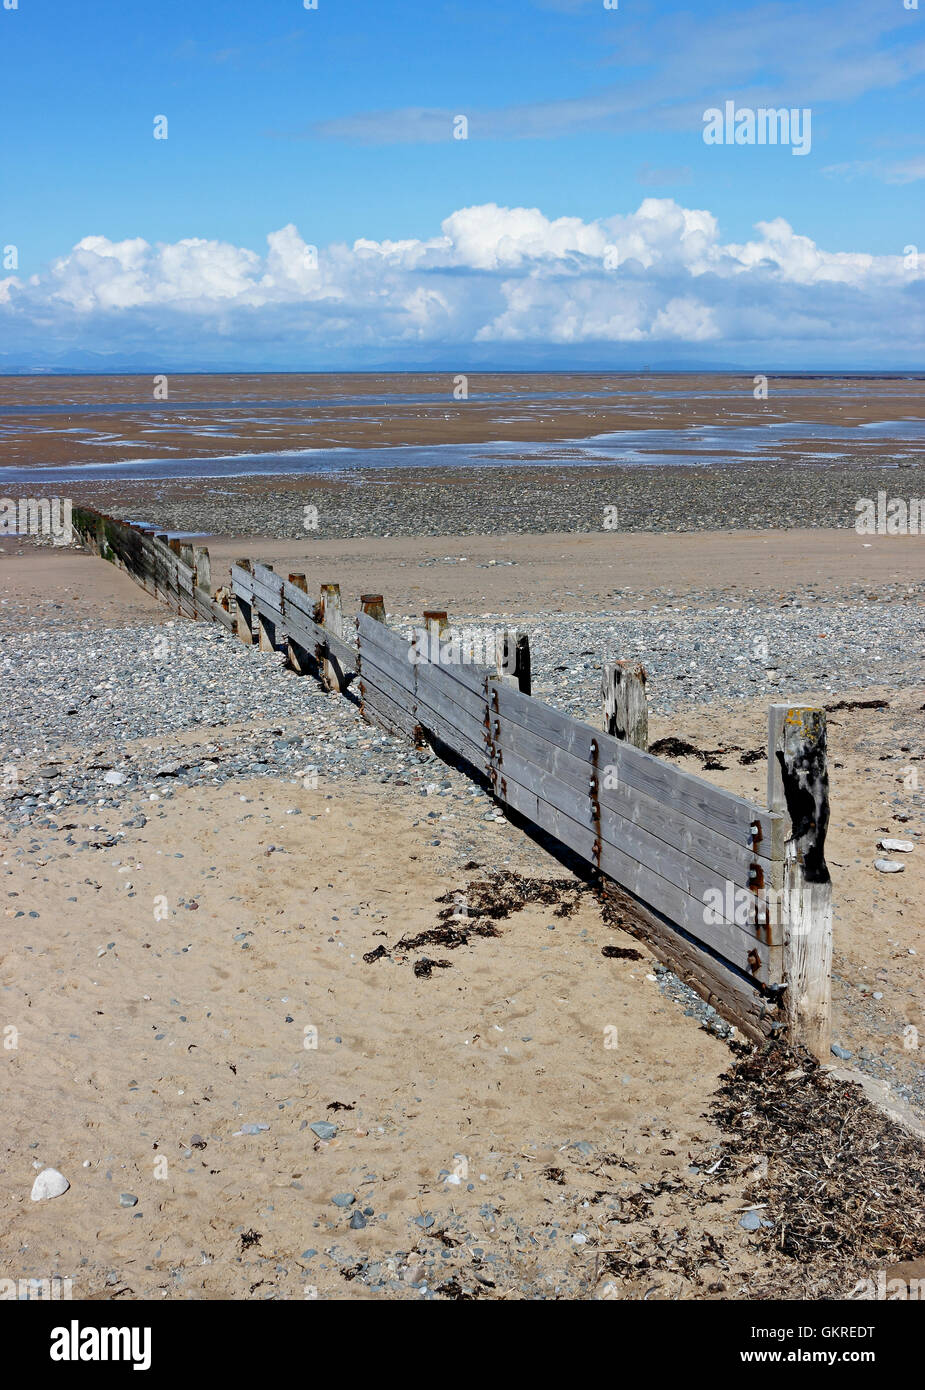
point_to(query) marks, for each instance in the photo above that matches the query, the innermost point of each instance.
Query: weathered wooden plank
(577, 828)
(300, 617)
(710, 887)
(423, 682)
(736, 863)
(378, 708)
(798, 785)
(428, 706)
(731, 815)
(432, 725)
(738, 999)
(411, 656)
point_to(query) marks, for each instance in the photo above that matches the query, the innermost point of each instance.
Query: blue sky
(337, 122)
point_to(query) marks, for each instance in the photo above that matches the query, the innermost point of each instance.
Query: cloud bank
(497, 279)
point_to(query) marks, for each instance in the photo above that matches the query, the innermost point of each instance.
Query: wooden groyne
(734, 896)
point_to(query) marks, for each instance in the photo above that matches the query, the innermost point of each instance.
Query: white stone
(49, 1183)
(896, 846)
(114, 779)
(889, 866)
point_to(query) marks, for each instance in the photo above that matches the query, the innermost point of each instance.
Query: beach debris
(858, 704)
(889, 866)
(250, 1128)
(49, 1183)
(425, 967)
(896, 846)
(621, 953)
(377, 954)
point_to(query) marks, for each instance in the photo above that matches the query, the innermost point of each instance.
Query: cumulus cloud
(659, 275)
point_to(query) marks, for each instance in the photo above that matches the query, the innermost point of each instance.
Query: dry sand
(136, 1035)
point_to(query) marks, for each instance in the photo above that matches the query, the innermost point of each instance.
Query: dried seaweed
(845, 1186)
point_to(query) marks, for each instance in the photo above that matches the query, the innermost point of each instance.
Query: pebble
(751, 1221)
(128, 1199)
(324, 1129)
(889, 866)
(896, 846)
(49, 1183)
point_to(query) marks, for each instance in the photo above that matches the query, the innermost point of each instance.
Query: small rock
(841, 1052)
(889, 866)
(324, 1129)
(343, 1199)
(896, 846)
(49, 1183)
(128, 1199)
(751, 1221)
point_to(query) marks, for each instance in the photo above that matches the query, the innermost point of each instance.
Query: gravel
(509, 500)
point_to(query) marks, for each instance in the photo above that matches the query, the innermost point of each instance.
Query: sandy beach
(219, 935)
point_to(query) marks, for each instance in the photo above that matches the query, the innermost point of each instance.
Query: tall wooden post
(244, 611)
(626, 710)
(266, 628)
(331, 617)
(513, 659)
(202, 566)
(436, 624)
(297, 658)
(798, 787)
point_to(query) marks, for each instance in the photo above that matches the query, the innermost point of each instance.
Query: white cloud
(660, 274)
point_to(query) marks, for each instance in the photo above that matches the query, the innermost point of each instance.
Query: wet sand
(207, 416)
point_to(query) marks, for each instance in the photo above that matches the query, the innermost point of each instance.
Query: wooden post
(513, 657)
(297, 658)
(266, 628)
(373, 607)
(244, 611)
(626, 711)
(331, 617)
(436, 624)
(798, 787)
(202, 566)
